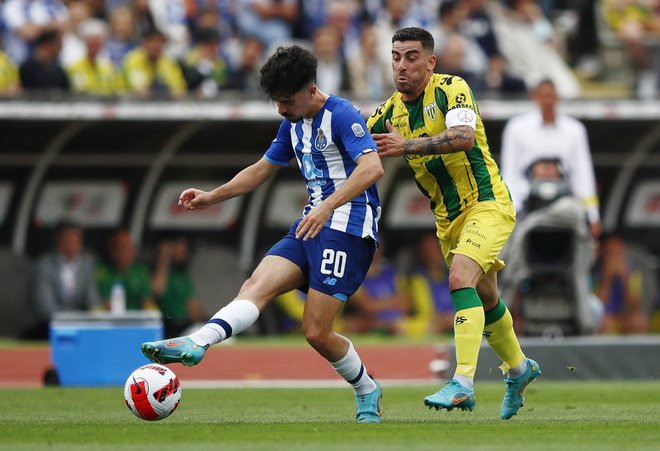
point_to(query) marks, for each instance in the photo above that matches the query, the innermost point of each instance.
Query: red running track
(25, 366)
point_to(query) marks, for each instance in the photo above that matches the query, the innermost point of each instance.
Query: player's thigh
(320, 312)
(485, 229)
(275, 275)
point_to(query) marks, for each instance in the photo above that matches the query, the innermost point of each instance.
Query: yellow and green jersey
(8, 73)
(453, 182)
(98, 78)
(163, 75)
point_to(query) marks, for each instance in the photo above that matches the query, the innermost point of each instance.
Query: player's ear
(312, 89)
(432, 61)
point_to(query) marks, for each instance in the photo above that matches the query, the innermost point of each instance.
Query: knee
(316, 337)
(458, 279)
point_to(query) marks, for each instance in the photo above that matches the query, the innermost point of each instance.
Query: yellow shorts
(479, 233)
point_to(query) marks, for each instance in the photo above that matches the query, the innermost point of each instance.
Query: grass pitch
(584, 415)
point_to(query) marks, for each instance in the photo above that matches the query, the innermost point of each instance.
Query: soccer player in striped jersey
(433, 121)
(329, 249)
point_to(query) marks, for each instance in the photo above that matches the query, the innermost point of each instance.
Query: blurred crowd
(72, 277)
(209, 48)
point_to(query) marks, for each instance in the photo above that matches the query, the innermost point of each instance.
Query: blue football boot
(368, 406)
(513, 397)
(452, 396)
(175, 350)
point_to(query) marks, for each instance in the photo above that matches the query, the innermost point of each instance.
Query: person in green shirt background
(173, 288)
(122, 271)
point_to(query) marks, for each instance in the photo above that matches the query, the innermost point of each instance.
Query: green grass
(588, 416)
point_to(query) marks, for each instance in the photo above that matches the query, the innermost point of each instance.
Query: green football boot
(452, 396)
(175, 350)
(513, 397)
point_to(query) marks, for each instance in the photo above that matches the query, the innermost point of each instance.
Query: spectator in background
(342, 15)
(26, 20)
(382, 302)
(332, 72)
(204, 69)
(73, 45)
(42, 70)
(123, 37)
(392, 15)
(429, 287)
(173, 288)
(636, 22)
(478, 28)
(619, 285)
(245, 77)
(270, 21)
(457, 54)
(209, 17)
(371, 77)
(95, 74)
(63, 280)
(528, 42)
(144, 19)
(533, 140)
(172, 17)
(9, 81)
(120, 269)
(149, 72)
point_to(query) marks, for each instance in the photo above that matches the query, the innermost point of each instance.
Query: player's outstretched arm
(245, 181)
(454, 139)
(369, 169)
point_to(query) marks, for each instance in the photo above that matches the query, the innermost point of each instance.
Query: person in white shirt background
(544, 135)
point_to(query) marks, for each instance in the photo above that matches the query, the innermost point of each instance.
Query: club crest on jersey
(429, 110)
(357, 130)
(321, 142)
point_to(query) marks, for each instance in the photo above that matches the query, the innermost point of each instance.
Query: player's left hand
(389, 144)
(313, 223)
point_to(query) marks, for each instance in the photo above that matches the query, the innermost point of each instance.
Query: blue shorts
(334, 262)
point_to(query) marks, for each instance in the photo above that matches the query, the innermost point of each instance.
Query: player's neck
(318, 102)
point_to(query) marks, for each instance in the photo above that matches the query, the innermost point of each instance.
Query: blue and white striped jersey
(326, 148)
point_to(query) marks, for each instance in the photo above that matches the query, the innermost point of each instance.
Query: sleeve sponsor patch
(358, 130)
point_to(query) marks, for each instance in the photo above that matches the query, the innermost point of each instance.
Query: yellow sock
(501, 337)
(468, 330)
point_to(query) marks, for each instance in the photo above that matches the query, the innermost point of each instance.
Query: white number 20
(334, 262)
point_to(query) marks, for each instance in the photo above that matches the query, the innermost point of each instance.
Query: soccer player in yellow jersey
(432, 120)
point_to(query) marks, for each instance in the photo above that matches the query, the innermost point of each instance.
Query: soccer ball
(152, 392)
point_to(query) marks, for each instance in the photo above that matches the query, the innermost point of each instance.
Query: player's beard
(293, 119)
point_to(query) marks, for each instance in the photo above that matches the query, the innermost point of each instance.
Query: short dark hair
(64, 225)
(287, 71)
(543, 82)
(415, 34)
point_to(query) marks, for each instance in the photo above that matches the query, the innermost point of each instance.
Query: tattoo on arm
(454, 139)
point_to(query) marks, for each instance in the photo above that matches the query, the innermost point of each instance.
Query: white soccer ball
(152, 392)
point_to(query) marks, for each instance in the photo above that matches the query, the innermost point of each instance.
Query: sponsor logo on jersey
(430, 111)
(460, 320)
(321, 142)
(357, 130)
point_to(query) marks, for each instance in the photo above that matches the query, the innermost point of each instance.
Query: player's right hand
(194, 199)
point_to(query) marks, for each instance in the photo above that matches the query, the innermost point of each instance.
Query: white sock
(230, 320)
(350, 367)
(464, 381)
(519, 370)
